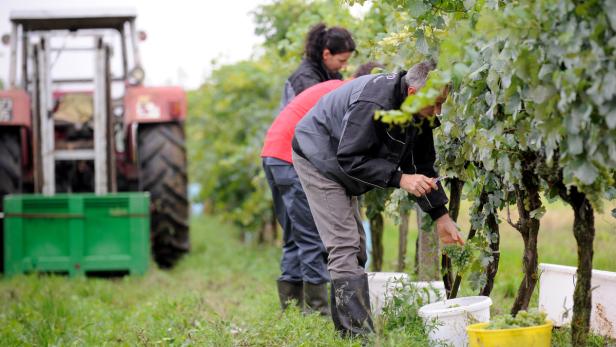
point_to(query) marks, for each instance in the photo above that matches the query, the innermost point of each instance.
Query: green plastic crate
(78, 234)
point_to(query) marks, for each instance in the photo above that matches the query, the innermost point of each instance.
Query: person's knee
(344, 262)
(315, 272)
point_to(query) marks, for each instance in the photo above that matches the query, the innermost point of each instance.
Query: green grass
(224, 294)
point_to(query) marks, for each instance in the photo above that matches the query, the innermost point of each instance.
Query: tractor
(75, 116)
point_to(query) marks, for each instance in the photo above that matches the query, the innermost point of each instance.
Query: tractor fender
(15, 108)
(15, 113)
(154, 104)
(144, 105)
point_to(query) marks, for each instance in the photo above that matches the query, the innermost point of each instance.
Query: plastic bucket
(556, 287)
(380, 287)
(382, 284)
(451, 317)
(435, 290)
(537, 336)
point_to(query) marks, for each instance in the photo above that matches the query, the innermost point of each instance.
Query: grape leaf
(586, 173)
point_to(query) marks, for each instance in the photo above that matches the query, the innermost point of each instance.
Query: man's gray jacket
(340, 137)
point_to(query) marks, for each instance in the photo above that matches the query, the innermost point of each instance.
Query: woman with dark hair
(326, 52)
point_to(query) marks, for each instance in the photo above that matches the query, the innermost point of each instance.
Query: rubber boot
(352, 304)
(315, 297)
(288, 291)
(333, 310)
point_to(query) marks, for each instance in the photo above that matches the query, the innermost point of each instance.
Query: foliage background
(532, 108)
(232, 110)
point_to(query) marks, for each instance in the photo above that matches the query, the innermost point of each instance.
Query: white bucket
(381, 285)
(435, 289)
(451, 318)
(556, 286)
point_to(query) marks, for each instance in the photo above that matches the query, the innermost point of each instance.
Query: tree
(532, 107)
(541, 68)
(232, 110)
(230, 114)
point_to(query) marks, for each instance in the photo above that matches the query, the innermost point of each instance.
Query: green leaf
(610, 11)
(459, 72)
(537, 213)
(586, 173)
(578, 116)
(610, 118)
(576, 144)
(479, 70)
(542, 93)
(421, 44)
(417, 8)
(468, 4)
(546, 69)
(608, 87)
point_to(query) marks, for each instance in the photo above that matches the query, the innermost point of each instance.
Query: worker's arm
(358, 149)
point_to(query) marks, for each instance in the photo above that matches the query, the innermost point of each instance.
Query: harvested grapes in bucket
(523, 319)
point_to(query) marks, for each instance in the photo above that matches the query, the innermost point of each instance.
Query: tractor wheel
(10, 174)
(162, 172)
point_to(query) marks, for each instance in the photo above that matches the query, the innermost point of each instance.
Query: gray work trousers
(338, 221)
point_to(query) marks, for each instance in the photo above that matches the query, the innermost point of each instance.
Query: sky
(183, 36)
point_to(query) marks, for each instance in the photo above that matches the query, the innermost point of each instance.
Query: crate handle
(113, 213)
(44, 215)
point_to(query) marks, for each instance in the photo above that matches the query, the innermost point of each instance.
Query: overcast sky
(183, 35)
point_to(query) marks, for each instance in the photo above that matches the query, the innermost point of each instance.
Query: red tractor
(76, 117)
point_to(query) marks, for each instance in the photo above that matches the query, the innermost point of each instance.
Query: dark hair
(336, 39)
(366, 69)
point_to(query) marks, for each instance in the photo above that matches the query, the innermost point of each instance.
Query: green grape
(521, 320)
(459, 255)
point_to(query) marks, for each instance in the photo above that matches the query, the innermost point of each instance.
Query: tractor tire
(10, 174)
(162, 172)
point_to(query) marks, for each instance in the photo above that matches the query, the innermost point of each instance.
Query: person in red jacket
(303, 265)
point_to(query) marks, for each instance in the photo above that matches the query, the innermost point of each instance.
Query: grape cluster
(459, 255)
(521, 320)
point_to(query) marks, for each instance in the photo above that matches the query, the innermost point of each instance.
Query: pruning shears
(440, 178)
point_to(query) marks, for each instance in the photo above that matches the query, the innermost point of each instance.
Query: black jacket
(305, 76)
(340, 137)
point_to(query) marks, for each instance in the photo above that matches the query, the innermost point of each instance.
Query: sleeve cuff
(437, 212)
(394, 181)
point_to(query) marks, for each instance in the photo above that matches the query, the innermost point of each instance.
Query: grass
(224, 294)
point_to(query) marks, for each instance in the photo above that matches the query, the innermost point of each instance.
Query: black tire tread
(162, 164)
(10, 174)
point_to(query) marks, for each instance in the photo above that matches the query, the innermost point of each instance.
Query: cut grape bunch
(460, 255)
(522, 320)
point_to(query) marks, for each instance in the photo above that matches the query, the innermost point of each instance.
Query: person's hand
(417, 185)
(448, 231)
